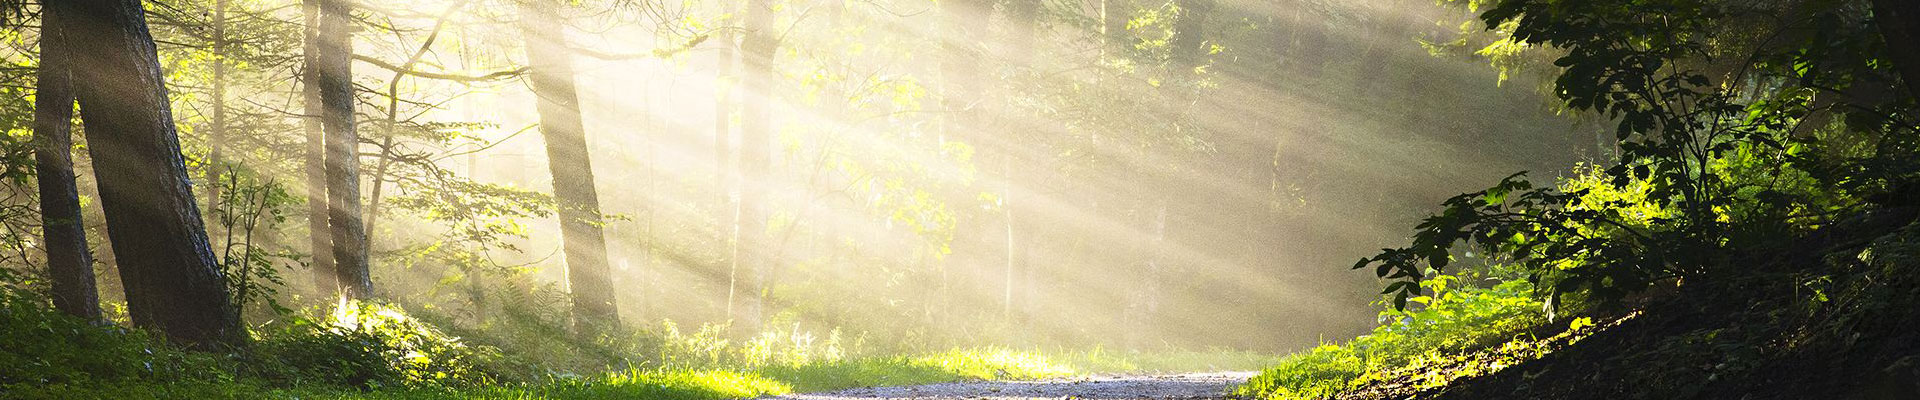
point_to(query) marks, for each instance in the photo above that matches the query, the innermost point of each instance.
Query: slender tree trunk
(68, 261)
(1024, 19)
(320, 242)
(335, 38)
(588, 276)
(754, 251)
(217, 133)
(172, 282)
(727, 218)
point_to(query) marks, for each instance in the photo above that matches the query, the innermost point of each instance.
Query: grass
(376, 351)
(682, 384)
(1450, 328)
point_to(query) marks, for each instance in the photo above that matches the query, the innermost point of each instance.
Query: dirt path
(1188, 386)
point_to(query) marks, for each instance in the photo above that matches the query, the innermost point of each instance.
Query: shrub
(369, 345)
(45, 346)
(1457, 318)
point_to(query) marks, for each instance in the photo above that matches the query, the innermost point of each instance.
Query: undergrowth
(378, 351)
(1461, 315)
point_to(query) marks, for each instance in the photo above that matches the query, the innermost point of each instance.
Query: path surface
(1187, 386)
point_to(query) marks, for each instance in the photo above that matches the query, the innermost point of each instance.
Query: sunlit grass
(1460, 331)
(703, 384)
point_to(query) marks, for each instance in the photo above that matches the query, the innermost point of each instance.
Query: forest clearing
(960, 199)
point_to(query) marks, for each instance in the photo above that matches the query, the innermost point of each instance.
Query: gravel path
(1187, 386)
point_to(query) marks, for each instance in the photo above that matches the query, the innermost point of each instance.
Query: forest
(959, 199)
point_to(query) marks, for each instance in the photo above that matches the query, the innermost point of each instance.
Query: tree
(1708, 107)
(1023, 21)
(320, 239)
(551, 72)
(756, 131)
(69, 263)
(217, 131)
(335, 83)
(173, 283)
(727, 212)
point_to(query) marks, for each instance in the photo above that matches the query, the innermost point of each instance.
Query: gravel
(1186, 386)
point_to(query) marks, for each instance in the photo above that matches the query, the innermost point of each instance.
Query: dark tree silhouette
(68, 261)
(172, 282)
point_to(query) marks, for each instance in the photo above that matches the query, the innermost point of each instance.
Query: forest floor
(1184, 386)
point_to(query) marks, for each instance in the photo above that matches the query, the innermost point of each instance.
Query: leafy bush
(1457, 318)
(369, 345)
(45, 346)
(1731, 141)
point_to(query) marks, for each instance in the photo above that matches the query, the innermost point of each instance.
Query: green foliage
(368, 345)
(46, 347)
(1716, 157)
(1459, 317)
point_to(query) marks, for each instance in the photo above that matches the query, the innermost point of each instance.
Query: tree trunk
(1023, 16)
(551, 67)
(727, 218)
(349, 236)
(320, 241)
(172, 282)
(1899, 23)
(68, 261)
(754, 250)
(217, 132)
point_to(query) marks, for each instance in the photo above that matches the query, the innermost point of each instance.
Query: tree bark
(335, 69)
(551, 71)
(172, 282)
(754, 250)
(69, 264)
(217, 132)
(320, 241)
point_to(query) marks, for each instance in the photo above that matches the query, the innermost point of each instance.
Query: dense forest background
(916, 174)
(716, 200)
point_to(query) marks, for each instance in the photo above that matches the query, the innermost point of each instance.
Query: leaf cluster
(1725, 134)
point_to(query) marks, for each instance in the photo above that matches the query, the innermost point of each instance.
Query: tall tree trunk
(68, 261)
(551, 66)
(349, 236)
(727, 218)
(1899, 23)
(216, 134)
(1024, 19)
(320, 242)
(172, 282)
(754, 252)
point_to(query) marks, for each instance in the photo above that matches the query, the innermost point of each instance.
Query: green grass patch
(1445, 329)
